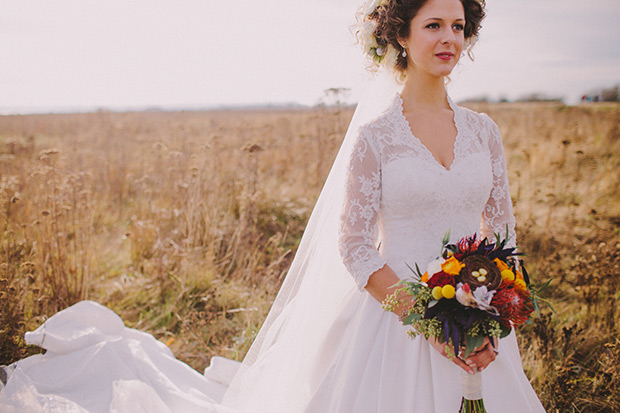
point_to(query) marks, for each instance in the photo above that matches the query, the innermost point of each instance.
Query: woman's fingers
(447, 352)
(478, 360)
(484, 356)
(459, 362)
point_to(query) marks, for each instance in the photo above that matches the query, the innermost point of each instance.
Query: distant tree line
(611, 94)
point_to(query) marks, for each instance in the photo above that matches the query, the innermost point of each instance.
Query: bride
(412, 166)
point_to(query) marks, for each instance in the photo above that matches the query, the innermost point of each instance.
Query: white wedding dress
(337, 355)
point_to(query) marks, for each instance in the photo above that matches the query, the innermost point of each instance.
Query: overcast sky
(60, 55)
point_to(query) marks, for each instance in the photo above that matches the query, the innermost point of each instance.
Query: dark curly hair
(394, 19)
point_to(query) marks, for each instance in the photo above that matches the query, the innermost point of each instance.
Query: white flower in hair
(371, 5)
(390, 58)
(366, 36)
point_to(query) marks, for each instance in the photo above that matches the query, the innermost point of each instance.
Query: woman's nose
(447, 36)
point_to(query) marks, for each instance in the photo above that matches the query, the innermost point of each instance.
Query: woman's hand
(478, 360)
(448, 352)
(481, 357)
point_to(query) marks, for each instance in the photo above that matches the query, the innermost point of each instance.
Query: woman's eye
(458, 27)
(433, 26)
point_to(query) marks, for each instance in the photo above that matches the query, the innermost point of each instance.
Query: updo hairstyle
(392, 21)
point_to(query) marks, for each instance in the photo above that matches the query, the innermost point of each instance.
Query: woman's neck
(425, 91)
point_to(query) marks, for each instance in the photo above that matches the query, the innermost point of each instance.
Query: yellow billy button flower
(448, 291)
(452, 266)
(508, 275)
(437, 294)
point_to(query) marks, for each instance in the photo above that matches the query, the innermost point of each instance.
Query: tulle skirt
(366, 363)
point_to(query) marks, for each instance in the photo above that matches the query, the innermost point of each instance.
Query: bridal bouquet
(474, 290)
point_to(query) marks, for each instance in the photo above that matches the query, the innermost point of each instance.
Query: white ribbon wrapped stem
(472, 385)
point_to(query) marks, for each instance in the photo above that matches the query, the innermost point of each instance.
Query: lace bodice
(400, 201)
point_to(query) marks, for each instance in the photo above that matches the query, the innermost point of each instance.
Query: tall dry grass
(185, 223)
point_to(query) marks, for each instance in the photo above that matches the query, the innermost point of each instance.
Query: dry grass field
(185, 223)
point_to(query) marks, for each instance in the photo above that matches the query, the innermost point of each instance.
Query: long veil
(294, 345)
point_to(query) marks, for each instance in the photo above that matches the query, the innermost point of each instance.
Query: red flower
(514, 304)
(440, 279)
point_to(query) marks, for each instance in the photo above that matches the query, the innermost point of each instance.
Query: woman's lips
(444, 56)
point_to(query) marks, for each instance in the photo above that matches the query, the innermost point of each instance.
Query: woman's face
(435, 40)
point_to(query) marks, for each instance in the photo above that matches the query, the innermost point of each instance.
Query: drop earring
(404, 53)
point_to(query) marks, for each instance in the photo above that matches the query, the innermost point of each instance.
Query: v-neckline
(424, 147)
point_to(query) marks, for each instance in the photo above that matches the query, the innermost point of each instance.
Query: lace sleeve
(497, 212)
(358, 222)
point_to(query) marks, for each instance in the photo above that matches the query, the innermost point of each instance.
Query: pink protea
(514, 304)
